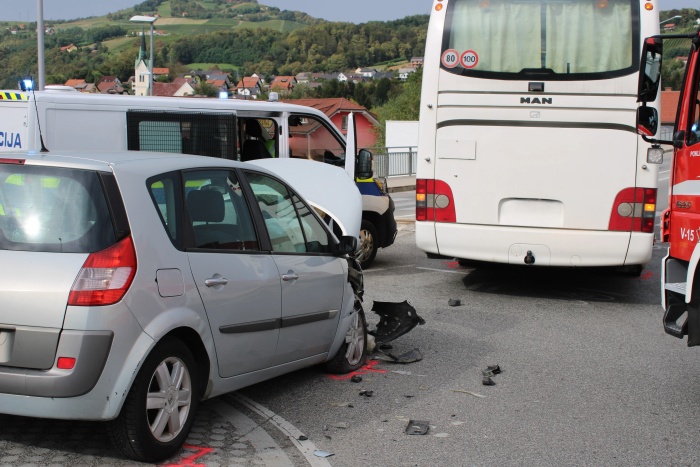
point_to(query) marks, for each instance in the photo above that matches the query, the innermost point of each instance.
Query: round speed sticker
(469, 59)
(450, 58)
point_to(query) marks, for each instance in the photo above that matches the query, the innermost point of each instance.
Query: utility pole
(40, 43)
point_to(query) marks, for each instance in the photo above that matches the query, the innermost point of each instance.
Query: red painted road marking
(647, 275)
(453, 265)
(369, 368)
(189, 461)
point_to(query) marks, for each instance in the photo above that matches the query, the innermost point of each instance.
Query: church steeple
(142, 49)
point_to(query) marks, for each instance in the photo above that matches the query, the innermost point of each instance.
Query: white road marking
(266, 449)
(464, 273)
(306, 447)
(367, 271)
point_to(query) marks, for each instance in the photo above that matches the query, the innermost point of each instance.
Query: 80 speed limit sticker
(469, 59)
(450, 58)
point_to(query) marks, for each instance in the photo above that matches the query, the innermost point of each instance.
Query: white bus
(528, 151)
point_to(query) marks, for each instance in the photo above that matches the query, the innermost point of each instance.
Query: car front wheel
(159, 410)
(353, 352)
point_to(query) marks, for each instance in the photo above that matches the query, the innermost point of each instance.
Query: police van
(60, 118)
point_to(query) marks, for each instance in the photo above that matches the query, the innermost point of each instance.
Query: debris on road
(411, 356)
(303, 438)
(395, 320)
(341, 425)
(356, 379)
(487, 381)
(495, 369)
(475, 394)
(454, 302)
(417, 427)
(488, 373)
(341, 404)
(319, 453)
(366, 393)
(401, 372)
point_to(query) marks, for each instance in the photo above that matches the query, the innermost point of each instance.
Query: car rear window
(53, 209)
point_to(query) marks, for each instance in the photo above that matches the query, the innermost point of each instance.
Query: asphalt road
(590, 378)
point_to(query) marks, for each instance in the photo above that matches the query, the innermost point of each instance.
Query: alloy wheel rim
(355, 338)
(169, 399)
(366, 242)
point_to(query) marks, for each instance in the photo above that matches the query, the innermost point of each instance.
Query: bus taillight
(434, 201)
(634, 210)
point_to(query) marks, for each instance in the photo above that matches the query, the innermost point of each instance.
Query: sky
(356, 11)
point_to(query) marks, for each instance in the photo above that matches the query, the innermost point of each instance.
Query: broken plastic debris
(395, 320)
(356, 379)
(488, 373)
(417, 427)
(495, 369)
(475, 394)
(366, 393)
(303, 438)
(488, 381)
(411, 356)
(318, 453)
(454, 302)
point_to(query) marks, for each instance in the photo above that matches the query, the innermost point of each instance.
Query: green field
(210, 66)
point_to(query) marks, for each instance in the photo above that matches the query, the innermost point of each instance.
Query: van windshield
(53, 210)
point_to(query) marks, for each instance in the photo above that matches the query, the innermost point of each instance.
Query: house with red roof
(338, 110)
(249, 87)
(283, 84)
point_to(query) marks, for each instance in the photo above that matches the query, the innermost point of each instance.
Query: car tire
(169, 375)
(352, 354)
(369, 244)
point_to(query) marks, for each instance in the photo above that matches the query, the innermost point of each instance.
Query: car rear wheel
(369, 244)
(353, 352)
(159, 409)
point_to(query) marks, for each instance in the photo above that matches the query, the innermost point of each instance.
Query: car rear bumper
(89, 348)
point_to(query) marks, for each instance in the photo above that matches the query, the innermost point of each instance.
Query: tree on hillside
(405, 106)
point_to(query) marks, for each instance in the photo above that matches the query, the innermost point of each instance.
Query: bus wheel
(369, 243)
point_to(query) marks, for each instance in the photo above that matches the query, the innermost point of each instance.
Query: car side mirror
(347, 245)
(647, 121)
(364, 165)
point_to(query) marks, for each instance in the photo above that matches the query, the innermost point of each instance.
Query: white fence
(393, 162)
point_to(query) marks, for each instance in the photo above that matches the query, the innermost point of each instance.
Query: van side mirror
(347, 245)
(647, 121)
(650, 70)
(364, 165)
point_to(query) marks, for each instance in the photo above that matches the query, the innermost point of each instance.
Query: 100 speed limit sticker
(451, 58)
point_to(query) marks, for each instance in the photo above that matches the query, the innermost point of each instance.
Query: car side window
(219, 215)
(290, 223)
(165, 194)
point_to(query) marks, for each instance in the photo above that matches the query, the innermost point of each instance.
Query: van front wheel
(369, 244)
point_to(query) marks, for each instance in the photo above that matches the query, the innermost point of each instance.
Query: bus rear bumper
(539, 247)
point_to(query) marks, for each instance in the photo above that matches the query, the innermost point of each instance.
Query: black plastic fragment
(454, 302)
(411, 356)
(495, 369)
(395, 320)
(487, 381)
(366, 393)
(417, 427)
(356, 379)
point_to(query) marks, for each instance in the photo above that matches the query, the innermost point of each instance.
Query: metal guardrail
(393, 162)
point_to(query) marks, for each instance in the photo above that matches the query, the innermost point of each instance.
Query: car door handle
(290, 276)
(214, 281)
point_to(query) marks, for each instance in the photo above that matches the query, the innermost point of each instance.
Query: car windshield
(53, 210)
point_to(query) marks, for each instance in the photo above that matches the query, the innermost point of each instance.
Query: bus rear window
(553, 39)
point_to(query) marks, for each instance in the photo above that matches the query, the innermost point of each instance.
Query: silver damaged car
(134, 285)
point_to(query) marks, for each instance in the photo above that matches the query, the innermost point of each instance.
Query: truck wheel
(159, 410)
(353, 352)
(369, 244)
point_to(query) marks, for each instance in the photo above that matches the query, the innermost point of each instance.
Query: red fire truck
(680, 223)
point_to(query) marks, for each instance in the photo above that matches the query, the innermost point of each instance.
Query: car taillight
(105, 276)
(634, 210)
(434, 201)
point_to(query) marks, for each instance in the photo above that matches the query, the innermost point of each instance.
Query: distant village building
(283, 84)
(69, 48)
(142, 71)
(250, 87)
(338, 109)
